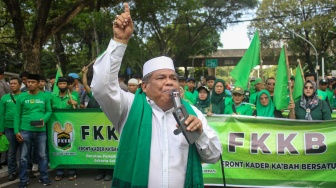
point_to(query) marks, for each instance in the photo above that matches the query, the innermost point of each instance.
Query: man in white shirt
(168, 154)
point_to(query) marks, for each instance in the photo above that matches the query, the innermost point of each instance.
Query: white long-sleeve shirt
(169, 152)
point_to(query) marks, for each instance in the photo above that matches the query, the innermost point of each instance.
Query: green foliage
(179, 29)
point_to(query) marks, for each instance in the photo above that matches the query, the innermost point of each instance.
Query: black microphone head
(174, 93)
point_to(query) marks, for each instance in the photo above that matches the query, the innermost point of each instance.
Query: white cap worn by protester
(133, 81)
(158, 63)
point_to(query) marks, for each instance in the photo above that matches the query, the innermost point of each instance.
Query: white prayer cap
(133, 81)
(158, 63)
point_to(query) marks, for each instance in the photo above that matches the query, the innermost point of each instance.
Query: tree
(36, 22)
(311, 19)
(179, 29)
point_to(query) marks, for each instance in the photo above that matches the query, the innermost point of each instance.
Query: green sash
(132, 163)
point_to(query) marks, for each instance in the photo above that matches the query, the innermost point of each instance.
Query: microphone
(180, 114)
(175, 95)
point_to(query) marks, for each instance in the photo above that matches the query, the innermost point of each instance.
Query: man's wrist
(121, 41)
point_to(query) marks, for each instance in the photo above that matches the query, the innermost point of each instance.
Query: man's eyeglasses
(309, 87)
(271, 84)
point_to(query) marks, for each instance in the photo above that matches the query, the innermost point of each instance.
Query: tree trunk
(31, 54)
(59, 51)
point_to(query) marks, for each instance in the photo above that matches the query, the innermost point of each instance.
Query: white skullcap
(158, 63)
(133, 81)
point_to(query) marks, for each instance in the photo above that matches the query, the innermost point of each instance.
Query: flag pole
(61, 73)
(92, 62)
(288, 76)
(261, 63)
(299, 64)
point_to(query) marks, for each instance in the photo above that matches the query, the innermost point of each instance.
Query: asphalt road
(85, 178)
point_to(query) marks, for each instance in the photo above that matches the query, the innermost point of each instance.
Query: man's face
(323, 86)
(237, 98)
(62, 85)
(210, 84)
(32, 84)
(41, 85)
(132, 88)
(70, 86)
(159, 85)
(52, 81)
(24, 80)
(259, 86)
(191, 85)
(182, 83)
(14, 85)
(270, 85)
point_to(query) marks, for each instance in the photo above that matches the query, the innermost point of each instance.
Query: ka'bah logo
(63, 137)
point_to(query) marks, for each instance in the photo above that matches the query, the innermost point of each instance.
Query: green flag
(298, 85)
(280, 98)
(250, 59)
(58, 74)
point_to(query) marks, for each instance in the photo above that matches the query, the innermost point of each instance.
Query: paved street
(85, 178)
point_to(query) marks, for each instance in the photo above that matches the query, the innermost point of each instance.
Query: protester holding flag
(63, 101)
(265, 106)
(203, 99)
(309, 107)
(219, 99)
(237, 106)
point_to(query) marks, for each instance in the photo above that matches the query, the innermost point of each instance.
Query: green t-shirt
(330, 95)
(31, 108)
(242, 109)
(191, 98)
(7, 111)
(76, 94)
(321, 95)
(58, 102)
(253, 98)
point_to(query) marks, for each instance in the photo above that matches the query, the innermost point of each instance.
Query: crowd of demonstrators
(26, 105)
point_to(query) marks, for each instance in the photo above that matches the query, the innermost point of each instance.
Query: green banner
(274, 152)
(81, 139)
(256, 151)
